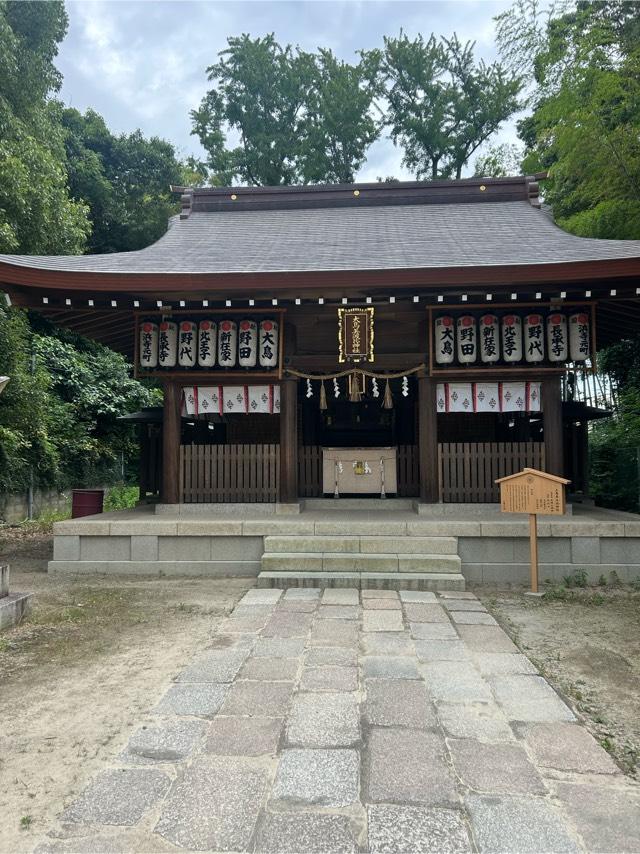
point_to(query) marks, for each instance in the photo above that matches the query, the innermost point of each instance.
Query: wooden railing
(468, 470)
(250, 473)
(227, 473)
(310, 471)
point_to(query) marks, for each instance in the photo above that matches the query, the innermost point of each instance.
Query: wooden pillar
(428, 441)
(171, 443)
(552, 420)
(288, 441)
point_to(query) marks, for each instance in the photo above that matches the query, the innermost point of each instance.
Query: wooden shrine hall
(417, 340)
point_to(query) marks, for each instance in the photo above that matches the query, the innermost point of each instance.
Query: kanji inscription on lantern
(533, 491)
(355, 334)
(208, 344)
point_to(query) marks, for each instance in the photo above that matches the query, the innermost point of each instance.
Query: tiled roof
(388, 236)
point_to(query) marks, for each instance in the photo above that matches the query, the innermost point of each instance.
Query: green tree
(339, 124)
(37, 216)
(124, 179)
(442, 105)
(299, 117)
(25, 410)
(258, 93)
(586, 114)
(499, 161)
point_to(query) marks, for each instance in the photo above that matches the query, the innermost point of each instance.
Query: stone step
(356, 562)
(364, 580)
(365, 544)
(370, 503)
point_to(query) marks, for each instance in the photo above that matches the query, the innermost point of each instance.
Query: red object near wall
(86, 502)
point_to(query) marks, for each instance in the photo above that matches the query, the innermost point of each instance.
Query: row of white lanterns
(512, 338)
(227, 343)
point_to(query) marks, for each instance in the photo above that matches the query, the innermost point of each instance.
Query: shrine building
(378, 353)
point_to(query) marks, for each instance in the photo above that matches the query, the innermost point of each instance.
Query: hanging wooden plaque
(355, 334)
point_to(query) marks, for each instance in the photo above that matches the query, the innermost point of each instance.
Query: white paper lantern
(511, 338)
(467, 339)
(534, 338)
(187, 344)
(489, 339)
(227, 343)
(168, 344)
(268, 344)
(207, 343)
(579, 338)
(148, 355)
(248, 343)
(557, 348)
(444, 340)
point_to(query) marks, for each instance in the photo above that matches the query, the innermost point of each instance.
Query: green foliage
(301, 117)
(125, 180)
(442, 105)
(499, 161)
(578, 578)
(615, 442)
(58, 412)
(36, 213)
(121, 497)
(25, 414)
(586, 111)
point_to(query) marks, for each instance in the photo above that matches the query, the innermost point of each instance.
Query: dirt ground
(587, 644)
(79, 674)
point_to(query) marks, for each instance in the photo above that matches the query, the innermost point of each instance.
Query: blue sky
(141, 63)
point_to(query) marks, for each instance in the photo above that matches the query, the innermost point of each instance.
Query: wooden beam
(288, 441)
(428, 441)
(552, 420)
(171, 444)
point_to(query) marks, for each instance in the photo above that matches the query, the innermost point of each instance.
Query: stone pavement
(348, 721)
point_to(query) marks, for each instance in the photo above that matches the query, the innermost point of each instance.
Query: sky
(142, 63)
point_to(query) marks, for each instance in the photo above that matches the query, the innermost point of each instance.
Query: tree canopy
(585, 101)
(37, 214)
(299, 117)
(442, 104)
(124, 179)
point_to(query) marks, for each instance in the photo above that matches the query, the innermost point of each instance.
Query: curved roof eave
(391, 278)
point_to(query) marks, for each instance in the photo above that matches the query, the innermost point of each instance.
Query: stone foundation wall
(505, 560)
(491, 552)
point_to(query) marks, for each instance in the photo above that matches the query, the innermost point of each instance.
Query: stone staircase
(359, 560)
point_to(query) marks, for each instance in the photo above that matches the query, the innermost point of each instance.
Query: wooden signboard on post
(532, 491)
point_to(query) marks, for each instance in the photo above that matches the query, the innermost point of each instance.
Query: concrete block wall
(505, 560)
(157, 554)
(15, 508)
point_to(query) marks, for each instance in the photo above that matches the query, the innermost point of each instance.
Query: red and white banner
(488, 397)
(231, 399)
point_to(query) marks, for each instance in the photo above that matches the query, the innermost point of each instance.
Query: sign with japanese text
(532, 491)
(355, 334)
